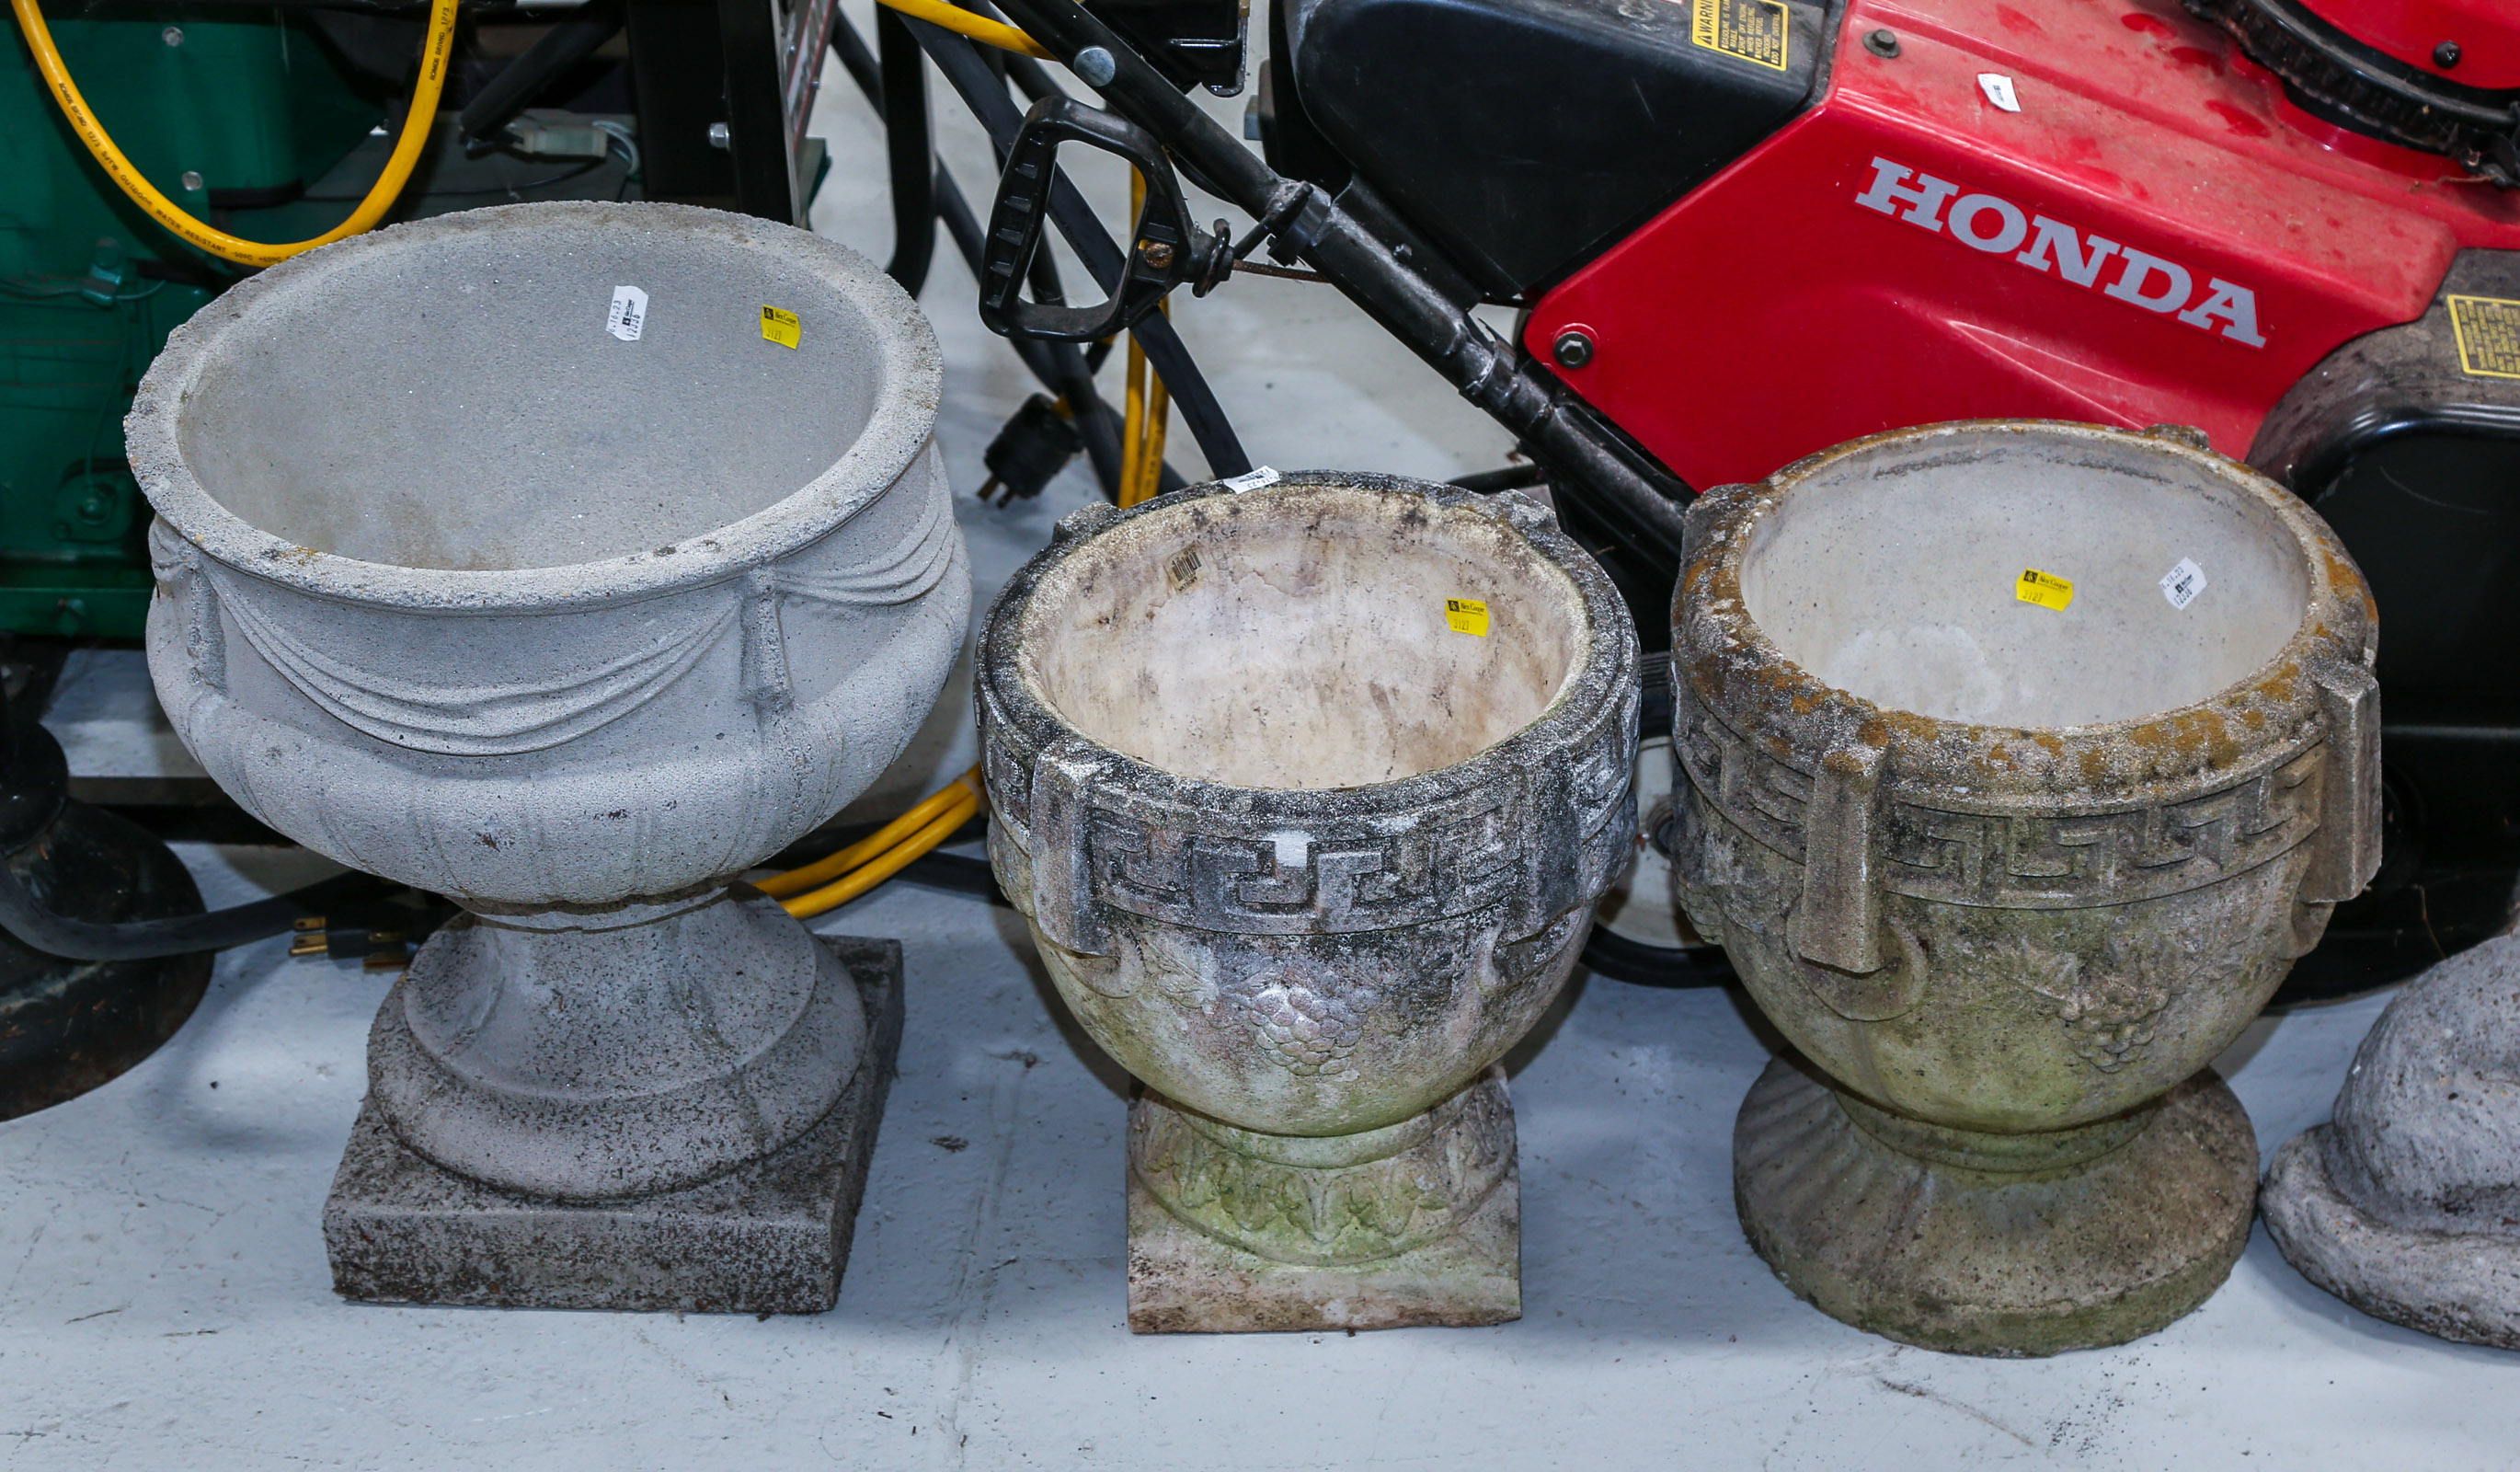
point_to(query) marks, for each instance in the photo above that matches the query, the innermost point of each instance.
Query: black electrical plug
(381, 933)
(1036, 444)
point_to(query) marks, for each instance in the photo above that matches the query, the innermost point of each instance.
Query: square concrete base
(1183, 1281)
(770, 1238)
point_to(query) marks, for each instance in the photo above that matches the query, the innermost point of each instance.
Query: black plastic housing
(1525, 136)
(2415, 459)
(1190, 42)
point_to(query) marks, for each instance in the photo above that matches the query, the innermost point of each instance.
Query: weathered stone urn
(1308, 793)
(505, 555)
(2407, 1204)
(2011, 859)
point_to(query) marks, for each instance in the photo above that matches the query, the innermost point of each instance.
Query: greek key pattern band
(1544, 836)
(2024, 860)
(1288, 886)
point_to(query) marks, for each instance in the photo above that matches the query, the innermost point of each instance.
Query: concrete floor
(165, 1301)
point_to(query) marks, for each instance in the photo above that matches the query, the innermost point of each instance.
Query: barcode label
(1251, 480)
(629, 315)
(2181, 584)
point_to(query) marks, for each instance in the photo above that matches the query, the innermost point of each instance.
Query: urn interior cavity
(1297, 638)
(463, 405)
(1892, 573)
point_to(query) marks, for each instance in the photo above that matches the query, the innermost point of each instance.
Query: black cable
(955, 874)
(971, 78)
(1624, 958)
(909, 148)
(28, 919)
(1641, 963)
(1057, 366)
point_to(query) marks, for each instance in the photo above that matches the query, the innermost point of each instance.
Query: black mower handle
(1165, 251)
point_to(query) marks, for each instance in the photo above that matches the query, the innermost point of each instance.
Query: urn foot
(1984, 1244)
(1234, 1231)
(771, 1236)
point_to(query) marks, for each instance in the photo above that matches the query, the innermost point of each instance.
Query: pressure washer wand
(1306, 223)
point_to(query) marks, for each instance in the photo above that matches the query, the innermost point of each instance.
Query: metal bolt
(1094, 65)
(1882, 43)
(2446, 55)
(172, 36)
(1574, 347)
(192, 179)
(721, 136)
(1157, 254)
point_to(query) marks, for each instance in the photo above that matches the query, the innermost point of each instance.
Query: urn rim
(1605, 665)
(1727, 663)
(909, 376)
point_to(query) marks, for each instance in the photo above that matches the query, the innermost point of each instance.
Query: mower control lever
(1165, 249)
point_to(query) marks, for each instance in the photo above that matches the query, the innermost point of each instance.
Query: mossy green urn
(1308, 792)
(2021, 760)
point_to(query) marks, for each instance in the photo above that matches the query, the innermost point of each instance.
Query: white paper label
(1251, 480)
(2181, 584)
(1997, 88)
(629, 315)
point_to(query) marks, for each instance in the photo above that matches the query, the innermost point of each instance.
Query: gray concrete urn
(1308, 793)
(506, 555)
(2407, 1204)
(2008, 867)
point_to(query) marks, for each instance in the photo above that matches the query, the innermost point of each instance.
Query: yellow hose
(1147, 404)
(407, 148)
(963, 789)
(1151, 460)
(832, 896)
(963, 23)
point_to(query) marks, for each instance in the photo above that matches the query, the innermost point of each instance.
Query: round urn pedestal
(504, 556)
(1308, 794)
(2020, 762)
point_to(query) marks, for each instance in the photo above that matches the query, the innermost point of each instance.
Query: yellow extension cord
(833, 881)
(1149, 406)
(407, 148)
(963, 23)
(828, 883)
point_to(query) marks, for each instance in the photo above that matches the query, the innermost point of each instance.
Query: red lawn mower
(1739, 231)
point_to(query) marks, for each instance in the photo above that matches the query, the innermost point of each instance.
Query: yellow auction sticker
(2045, 589)
(1467, 616)
(780, 327)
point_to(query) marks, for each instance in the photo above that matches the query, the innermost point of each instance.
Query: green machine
(270, 119)
(227, 109)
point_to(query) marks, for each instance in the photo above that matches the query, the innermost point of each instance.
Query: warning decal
(1755, 31)
(2489, 336)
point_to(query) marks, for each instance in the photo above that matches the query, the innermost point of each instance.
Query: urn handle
(181, 577)
(2348, 840)
(1062, 830)
(1837, 920)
